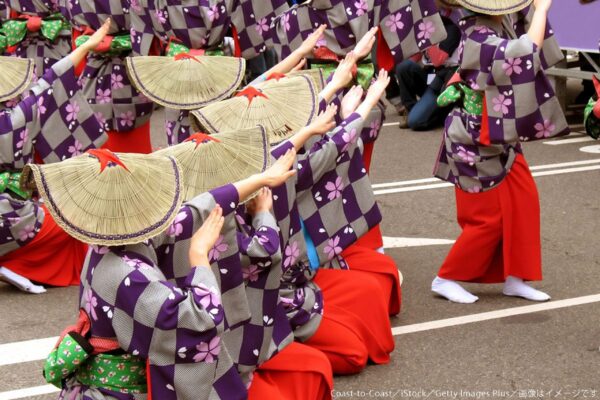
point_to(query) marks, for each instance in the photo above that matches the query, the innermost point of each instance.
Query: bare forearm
(300, 138)
(249, 185)
(287, 64)
(537, 29)
(78, 55)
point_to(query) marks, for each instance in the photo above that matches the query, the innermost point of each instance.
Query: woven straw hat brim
(490, 7)
(16, 76)
(186, 84)
(211, 164)
(114, 207)
(316, 74)
(289, 104)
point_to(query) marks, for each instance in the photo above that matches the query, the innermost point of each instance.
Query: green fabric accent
(472, 100)
(64, 361)
(120, 44)
(12, 182)
(3, 41)
(15, 30)
(590, 121)
(174, 49)
(120, 373)
(365, 71)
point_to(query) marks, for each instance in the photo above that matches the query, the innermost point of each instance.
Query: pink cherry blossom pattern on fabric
(135, 4)
(208, 352)
(544, 130)
(24, 135)
(426, 30)
(26, 233)
(332, 249)
(90, 303)
(321, 42)
(72, 111)
(217, 249)
(116, 81)
(394, 23)
(375, 127)
(127, 119)
(335, 188)
(100, 249)
(136, 263)
(474, 189)
(161, 16)
(349, 138)
(466, 155)
(213, 13)
(103, 96)
(501, 103)
(292, 252)
(41, 109)
(250, 272)
(361, 7)
(512, 66)
(286, 22)
(169, 128)
(176, 227)
(262, 25)
(75, 148)
(209, 297)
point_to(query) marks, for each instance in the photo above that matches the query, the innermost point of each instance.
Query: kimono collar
(489, 23)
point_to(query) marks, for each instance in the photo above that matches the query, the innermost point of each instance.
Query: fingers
(300, 65)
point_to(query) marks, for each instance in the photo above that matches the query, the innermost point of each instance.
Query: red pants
(51, 258)
(298, 372)
(501, 232)
(382, 268)
(355, 326)
(135, 141)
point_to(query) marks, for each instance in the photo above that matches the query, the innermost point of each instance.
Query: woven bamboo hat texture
(208, 162)
(16, 76)
(315, 75)
(281, 106)
(489, 7)
(186, 82)
(110, 199)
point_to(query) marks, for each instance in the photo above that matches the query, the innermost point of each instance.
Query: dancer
(501, 98)
(52, 123)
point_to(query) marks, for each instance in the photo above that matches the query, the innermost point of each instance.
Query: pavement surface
(497, 348)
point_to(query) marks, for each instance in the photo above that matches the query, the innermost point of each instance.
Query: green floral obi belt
(472, 100)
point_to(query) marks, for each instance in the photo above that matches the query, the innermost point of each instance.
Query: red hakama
(298, 372)
(355, 326)
(52, 258)
(134, 141)
(382, 268)
(501, 232)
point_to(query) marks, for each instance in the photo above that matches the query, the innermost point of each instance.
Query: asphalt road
(551, 352)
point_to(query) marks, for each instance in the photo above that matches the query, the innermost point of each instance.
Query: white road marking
(29, 350)
(28, 392)
(569, 141)
(486, 316)
(402, 242)
(595, 149)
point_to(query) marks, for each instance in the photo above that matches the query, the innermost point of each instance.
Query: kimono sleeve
(263, 242)
(142, 31)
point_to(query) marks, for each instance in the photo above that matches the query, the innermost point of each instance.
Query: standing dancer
(52, 123)
(123, 111)
(501, 98)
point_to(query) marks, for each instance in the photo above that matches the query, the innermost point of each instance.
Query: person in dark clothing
(420, 83)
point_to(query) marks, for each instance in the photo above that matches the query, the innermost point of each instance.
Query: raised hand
(310, 42)
(343, 73)
(364, 46)
(351, 101)
(263, 202)
(280, 171)
(324, 122)
(205, 238)
(97, 37)
(377, 88)
(542, 5)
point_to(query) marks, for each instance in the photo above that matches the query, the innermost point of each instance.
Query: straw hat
(110, 199)
(209, 162)
(489, 7)
(315, 75)
(281, 106)
(186, 82)
(16, 76)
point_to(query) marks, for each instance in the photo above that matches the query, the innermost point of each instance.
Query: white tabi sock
(452, 291)
(516, 287)
(19, 281)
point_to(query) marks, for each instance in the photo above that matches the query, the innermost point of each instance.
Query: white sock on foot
(516, 287)
(452, 291)
(19, 281)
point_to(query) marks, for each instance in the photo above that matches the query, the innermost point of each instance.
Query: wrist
(198, 257)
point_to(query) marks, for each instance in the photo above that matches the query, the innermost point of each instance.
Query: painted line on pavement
(486, 316)
(569, 141)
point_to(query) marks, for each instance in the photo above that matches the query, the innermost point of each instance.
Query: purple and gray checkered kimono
(332, 197)
(147, 297)
(521, 104)
(106, 85)
(44, 51)
(408, 26)
(268, 331)
(53, 122)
